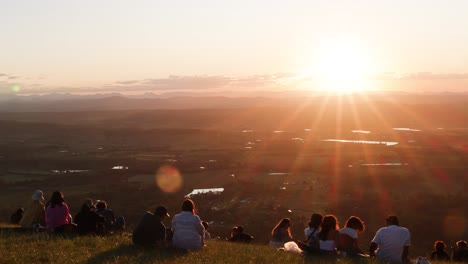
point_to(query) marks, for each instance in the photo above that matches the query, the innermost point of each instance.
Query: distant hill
(107, 102)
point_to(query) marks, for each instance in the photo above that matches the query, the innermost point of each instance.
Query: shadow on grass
(136, 254)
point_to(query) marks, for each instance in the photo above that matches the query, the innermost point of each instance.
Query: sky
(146, 46)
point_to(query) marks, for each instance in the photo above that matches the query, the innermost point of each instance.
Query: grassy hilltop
(45, 248)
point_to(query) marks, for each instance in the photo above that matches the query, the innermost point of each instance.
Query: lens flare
(168, 179)
(16, 88)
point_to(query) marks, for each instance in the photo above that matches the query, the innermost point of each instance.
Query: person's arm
(405, 255)
(373, 247)
(356, 246)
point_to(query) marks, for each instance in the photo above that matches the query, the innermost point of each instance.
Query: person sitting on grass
(57, 213)
(348, 237)
(281, 233)
(314, 226)
(238, 235)
(439, 253)
(461, 253)
(35, 212)
(108, 214)
(150, 231)
(391, 242)
(207, 235)
(16, 217)
(328, 236)
(88, 221)
(188, 228)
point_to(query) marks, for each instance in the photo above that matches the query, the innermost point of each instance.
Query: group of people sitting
(323, 235)
(93, 218)
(188, 232)
(390, 244)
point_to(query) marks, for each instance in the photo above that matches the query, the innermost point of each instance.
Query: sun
(342, 66)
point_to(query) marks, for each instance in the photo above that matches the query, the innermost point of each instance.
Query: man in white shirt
(391, 242)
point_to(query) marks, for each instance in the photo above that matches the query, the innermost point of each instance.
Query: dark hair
(392, 220)
(283, 223)
(240, 229)
(461, 244)
(315, 221)
(20, 211)
(439, 245)
(205, 225)
(56, 199)
(101, 205)
(356, 223)
(188, 206)
(85, 208)
(329, 223)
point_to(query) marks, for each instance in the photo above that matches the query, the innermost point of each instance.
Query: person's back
(149, 231)
(391, 241)
(440, 256)
(16, 217)
(57, 216)
(87, 221)
(35, 212)
(188, 228)
(460, 254)
(109, 218)
(188, 231)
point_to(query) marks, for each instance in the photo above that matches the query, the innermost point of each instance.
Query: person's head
(283, 223)
(85, 208)
(188, 206)
(355, 223)
(461, 244)
(315, 221)
(329, 223)
(392, 220)
(101, 205)
(205, 225)
(38, 195)
(234, 231)
(439, 245)
(89, 202)
(161, 211)
(240, 229)
(56, 199)
(20, 211)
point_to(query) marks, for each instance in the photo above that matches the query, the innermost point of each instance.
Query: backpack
(313, 241)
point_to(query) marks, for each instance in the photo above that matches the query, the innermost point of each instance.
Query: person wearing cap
(151, 230)
(391, 242)
(188, 228)
(35, 212)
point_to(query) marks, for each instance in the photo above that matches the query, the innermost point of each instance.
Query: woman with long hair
(281, 233)
(329, 234)
(188, 228)
(313, 226)
(57, 214)
(348, 238)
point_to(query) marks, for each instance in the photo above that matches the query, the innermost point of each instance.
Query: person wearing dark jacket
(238, 235)
(440, 254)
(17, 216)
(88, 221)
(150, 230)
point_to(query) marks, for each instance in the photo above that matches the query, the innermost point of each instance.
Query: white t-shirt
(309, 231)
(350, 232)
(391, 241)
(188, 231)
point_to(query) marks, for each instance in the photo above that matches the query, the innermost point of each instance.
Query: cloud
(420, 76)
(12, 77)
(267, 82)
